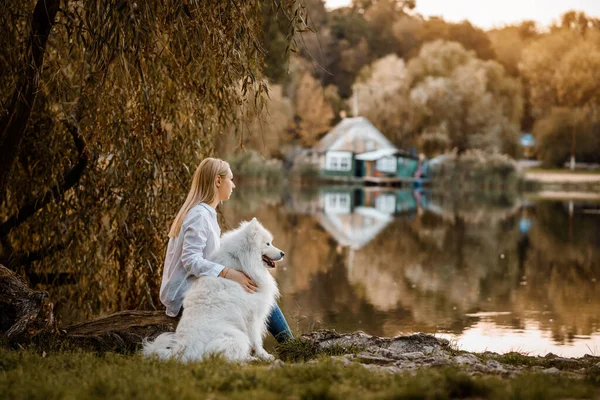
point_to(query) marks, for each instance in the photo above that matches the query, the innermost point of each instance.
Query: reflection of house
(354, 216)
(355, 148)
(394, 202)
(357, 228)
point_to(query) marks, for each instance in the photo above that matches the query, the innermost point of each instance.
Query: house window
(333, 164)
(339, 162)
(386, 203)
(337, 203)
(386, 164)
(344, 165)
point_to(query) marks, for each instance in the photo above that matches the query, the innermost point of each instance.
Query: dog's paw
(266, 356)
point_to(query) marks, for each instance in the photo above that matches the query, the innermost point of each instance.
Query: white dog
(219, 316)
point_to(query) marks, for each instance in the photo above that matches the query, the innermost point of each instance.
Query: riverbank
(321, 365)
(564, 181)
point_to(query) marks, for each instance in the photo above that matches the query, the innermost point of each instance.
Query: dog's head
(261, 239)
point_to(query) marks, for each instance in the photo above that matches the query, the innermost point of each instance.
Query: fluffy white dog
(219, 316)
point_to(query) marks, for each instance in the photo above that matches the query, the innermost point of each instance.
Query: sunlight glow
(488, 14)
(486, 335)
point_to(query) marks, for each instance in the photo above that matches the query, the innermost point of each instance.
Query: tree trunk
(25, 317)
(14, 122)
(23, 312)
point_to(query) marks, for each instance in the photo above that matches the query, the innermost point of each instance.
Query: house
(355, 148)
(335, 152)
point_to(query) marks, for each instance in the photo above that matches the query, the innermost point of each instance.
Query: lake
(487, 271)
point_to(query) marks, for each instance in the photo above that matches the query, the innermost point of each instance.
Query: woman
(195, 234)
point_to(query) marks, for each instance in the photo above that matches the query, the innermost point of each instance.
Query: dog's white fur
(219, 316)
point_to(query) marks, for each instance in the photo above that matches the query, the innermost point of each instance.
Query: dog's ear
(252, 226)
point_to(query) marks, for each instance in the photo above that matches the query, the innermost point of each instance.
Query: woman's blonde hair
(203, 189)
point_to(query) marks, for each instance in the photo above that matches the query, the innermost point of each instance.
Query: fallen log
(121, 332)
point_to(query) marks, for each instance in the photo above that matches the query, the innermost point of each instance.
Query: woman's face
(225, 186)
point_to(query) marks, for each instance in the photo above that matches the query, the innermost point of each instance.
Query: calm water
(491, 272)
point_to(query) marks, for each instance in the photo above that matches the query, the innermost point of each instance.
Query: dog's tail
(165, 346)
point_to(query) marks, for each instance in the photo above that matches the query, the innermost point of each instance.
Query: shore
(561, 184)
(324, 365)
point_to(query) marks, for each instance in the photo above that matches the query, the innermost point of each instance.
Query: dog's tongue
(270, 262)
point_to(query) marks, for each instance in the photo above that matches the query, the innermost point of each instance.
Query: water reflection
(497, 273)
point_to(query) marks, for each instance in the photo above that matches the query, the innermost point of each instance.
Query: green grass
(84, 375)
(305, 350)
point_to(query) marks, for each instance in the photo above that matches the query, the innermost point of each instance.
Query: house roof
(377, 154)
(357, 127)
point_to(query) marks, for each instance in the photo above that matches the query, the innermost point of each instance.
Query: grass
(305, 350)
(79, 374)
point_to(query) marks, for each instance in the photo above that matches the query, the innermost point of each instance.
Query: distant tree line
(438, 86)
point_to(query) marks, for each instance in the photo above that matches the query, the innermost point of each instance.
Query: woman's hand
(239, 277)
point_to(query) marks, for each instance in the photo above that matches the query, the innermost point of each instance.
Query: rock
(413, 355)
(468, 359)
(438, 362)
(480, 368)
(417, 342)
(367, 358)
(276, 364)
(564, 362)
(406, 365)
(551, 371)
(550, 355)
(495, 366)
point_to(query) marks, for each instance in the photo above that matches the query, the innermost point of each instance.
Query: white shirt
(186, 255)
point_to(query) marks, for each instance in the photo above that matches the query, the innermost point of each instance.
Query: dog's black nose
(282, 254)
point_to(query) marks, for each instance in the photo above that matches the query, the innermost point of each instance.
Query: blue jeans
(278, 326)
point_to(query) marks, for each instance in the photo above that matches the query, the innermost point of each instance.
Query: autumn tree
(264, 128)
(562, 71)
(564, 130)
(313, 112)
(469, 36)
(448, 96)
(383, 96)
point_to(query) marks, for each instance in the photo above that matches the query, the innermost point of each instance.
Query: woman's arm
(239, 277)
(195, 237)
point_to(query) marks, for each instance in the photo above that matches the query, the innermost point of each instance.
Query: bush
(250, 166)
(554, 135)
(475, 170)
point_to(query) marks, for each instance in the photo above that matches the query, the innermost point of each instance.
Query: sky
(493, 13)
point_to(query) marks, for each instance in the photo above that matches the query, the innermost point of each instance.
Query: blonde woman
(195, 233)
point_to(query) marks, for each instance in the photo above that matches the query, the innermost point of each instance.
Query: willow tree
(106, 109)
